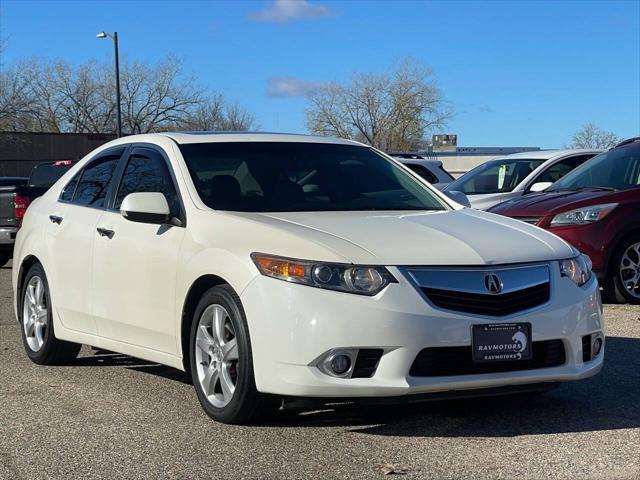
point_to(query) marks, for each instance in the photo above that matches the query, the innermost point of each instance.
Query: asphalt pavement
(112, 416)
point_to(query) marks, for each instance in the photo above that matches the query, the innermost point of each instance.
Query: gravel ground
(111, 416)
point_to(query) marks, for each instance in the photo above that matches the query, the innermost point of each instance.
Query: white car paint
(127, 294)
(550, 157)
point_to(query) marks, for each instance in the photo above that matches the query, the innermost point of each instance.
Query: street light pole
(114, 37)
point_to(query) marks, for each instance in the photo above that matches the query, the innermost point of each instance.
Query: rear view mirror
(146, 207)
(459, 197)
(540, 186)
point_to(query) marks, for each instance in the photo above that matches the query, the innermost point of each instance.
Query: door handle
(105, 232)
(55, 219)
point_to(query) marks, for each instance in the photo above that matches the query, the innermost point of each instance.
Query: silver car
(431, 170)
(514, 175)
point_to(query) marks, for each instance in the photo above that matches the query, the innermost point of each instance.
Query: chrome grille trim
(471, 279)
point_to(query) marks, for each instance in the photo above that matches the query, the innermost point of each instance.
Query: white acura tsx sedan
(276, 267)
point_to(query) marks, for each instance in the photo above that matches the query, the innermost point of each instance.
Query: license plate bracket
(501, 342)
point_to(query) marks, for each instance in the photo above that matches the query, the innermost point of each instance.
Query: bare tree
(592, 136)
(391, 111)
(213, 113)
(56, 97)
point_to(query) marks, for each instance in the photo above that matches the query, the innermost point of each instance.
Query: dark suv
(596, 208)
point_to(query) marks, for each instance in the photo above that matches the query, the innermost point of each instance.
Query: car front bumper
(293, 326)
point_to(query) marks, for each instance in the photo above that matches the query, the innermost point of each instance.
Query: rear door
(70, 235)
(135, 264)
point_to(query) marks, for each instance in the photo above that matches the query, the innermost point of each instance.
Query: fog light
(597, 346)
(340, 364)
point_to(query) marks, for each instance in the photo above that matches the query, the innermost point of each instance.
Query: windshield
(299, 177)
(616, 169)
(495, 176)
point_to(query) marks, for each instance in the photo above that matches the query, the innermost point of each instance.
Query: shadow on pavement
(105, 358)
(607, 401)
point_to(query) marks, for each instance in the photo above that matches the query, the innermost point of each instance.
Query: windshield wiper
(579, 189)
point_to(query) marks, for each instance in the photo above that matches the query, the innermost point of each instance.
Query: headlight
(580, 216)
(363, 280)
(578, 269)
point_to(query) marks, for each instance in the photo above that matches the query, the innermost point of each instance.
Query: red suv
(596, 208)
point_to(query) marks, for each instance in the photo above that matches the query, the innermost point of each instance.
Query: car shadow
(607, 401)
(106, 358)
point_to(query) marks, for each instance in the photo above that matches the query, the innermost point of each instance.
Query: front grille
(366, 362)
(491, 305)
(449, 361)
(531, 220)
(586, 348)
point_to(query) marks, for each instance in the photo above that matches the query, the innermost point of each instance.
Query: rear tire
(623, 281)
(221, 359)
(36, 319)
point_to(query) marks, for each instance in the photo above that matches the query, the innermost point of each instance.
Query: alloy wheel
(630, 270)
(34, 313)
(216, 355)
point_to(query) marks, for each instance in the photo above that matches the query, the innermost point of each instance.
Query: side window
(557, 171)
(70, 188)
(147, 171)
(94, 183)
(423, 172)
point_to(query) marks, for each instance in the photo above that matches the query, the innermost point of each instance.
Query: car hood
(459, 237)
(550, 203)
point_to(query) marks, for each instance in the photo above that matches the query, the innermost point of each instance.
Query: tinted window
(70, 188)
(496, 176)
(12, 181)
(147, 171)
(423, 172)
(94, 182)
(616, 169)
(297, 176)
(47, 174)
(557, 171)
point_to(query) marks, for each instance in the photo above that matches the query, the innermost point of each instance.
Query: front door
(134, 264)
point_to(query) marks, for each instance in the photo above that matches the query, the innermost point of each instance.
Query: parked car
(431, 170)
(15, 195)
(284, 266)
(596, 208)
(515, 175)
(7, 215)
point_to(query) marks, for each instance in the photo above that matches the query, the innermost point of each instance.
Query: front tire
(221, 359)
(623, 283)
(38, 336)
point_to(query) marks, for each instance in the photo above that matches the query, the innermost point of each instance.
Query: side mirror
(459, 197)
(540, 186)
(146, 207)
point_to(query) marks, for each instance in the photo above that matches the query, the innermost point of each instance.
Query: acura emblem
(492, 283)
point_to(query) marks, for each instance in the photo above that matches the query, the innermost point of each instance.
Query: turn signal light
(279, 267)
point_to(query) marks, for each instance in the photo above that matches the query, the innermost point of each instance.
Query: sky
(514, 73)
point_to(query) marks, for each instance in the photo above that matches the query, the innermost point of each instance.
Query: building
(19, 151)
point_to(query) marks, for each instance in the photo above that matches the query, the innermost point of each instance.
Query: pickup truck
(15, 195)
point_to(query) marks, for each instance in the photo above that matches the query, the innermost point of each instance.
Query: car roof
(419, 161)
(210, 137)
(547, 154)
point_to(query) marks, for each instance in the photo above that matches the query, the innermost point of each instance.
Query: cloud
(281, 11)
(284, 87)
(486, 109)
